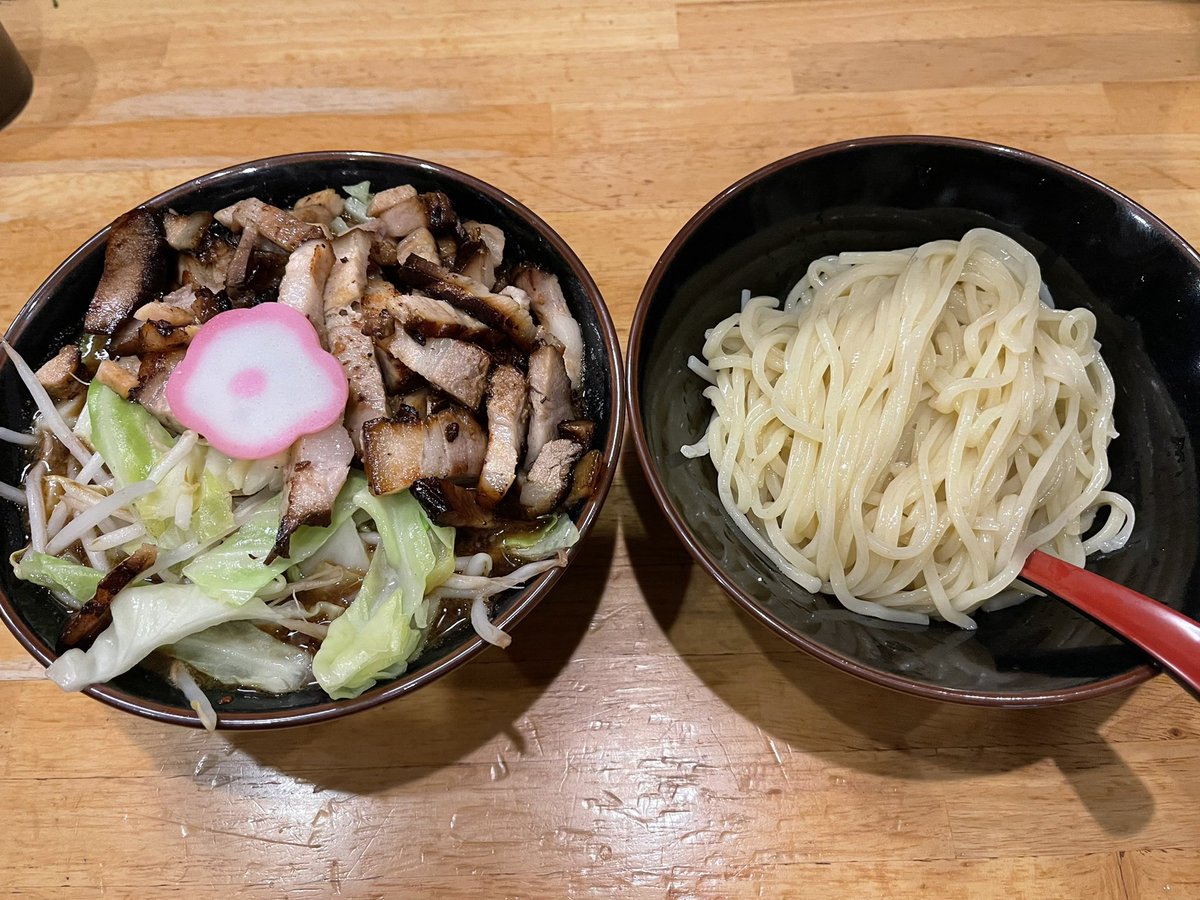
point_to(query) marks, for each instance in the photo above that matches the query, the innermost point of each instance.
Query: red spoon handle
(1171, 638)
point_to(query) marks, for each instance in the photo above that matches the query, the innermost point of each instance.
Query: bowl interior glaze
(54, 315)
(1097, 249)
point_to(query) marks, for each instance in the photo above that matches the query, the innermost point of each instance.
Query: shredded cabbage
(129, 439)
(144, 618)
(558, 534)
(236, 568)
(375, 638)
(240, 653)
(56, 573)
(344, 549)
(358, 199)
(131, 442)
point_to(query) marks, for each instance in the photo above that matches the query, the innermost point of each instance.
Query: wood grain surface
(641, 736)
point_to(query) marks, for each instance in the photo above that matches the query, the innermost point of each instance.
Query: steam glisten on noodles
(908, 426)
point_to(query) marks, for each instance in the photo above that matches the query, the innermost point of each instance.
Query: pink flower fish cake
(254, 380)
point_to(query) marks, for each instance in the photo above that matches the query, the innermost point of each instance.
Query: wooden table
(641, 735)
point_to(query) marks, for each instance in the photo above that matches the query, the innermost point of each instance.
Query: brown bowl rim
(533, 593)
(1014, 699)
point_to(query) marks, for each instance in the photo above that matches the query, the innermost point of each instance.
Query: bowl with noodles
(869, 379)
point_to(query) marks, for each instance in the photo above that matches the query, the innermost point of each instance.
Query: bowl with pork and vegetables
(297, 437)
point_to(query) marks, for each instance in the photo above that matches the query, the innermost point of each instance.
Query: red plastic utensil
(1170, 638)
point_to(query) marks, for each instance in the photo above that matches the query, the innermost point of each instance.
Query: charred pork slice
(161, 325)
(320, 207)
(57, 375)
(549, 399)
(585, 478)
(550, 306)
(209, 265)
(508, 418)
(426, 316)
(237, 276)
(344, 325)
(386, 199)
(86, 623)
(448, 444)
(151, 391)
(186, 231)
(377, 317)
(482, 252)
(174, 309)
(432, 211)
(501, 311)
(581, 431)
(120, 375)
(448, 504)
(304, 279)
(134, 270)
(550, 478)
(420, 243)
(156, 336)
(278, 226)
(458, 368)
(317, 468)
(383, 249)
(396, 377)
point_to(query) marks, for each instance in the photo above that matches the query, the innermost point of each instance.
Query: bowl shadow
(821, 711)
(406, 739)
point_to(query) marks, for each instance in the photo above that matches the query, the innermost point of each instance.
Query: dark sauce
(452, 618)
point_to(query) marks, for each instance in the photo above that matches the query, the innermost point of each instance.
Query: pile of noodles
(908, 426)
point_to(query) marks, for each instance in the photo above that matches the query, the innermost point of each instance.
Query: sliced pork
(120, 375)
(86, 623)
(319, 207)
(135, 269)
(386, 199)
(585, 478)
(237, 276)
(185, 232)
(424, 316)
(317, 468)
(581, 431)
(549, 399)
(208, 266)
(550, 477)
(151, 390)
(448, 504)
(57, 375)
(278, 226)
(303, 284)
(507, 418)
(432, 211)
(550, 306)
(482, 252)
(420, 243)
(173, 309)
(458, 368)
(501, 311)
(448, 444)
(344, 325)
(317, 463)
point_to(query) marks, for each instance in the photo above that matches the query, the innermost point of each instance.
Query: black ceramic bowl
(55, 313)
(1097, 249)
